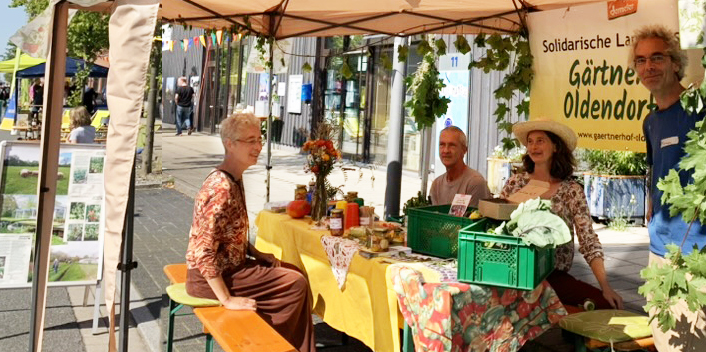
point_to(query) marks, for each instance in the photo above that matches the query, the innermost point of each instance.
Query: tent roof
(25, 61)
(296, 18)
(31, 67)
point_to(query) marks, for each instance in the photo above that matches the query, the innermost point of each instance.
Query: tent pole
(18, 54)
(395, 138)
(126, 265)
(426, 159)
(269, 113)
(48, 168)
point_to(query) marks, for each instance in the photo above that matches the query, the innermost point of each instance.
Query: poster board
(582, 76)
(294, 95)
(79, 219)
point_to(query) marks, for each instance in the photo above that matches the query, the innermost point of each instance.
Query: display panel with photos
(76, 254)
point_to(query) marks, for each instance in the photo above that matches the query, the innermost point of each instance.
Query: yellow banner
(582, 76)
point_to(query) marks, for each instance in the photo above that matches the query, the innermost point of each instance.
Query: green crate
(431, 230)
(503, 261)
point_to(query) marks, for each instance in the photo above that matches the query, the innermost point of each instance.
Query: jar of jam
(351, 196)
(300, 192)
(336, 222)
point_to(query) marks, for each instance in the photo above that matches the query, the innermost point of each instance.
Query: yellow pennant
(203, 40)
(219, 36)
(186, 44)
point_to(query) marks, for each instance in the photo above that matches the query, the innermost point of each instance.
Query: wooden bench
(240, 331)
(236, 331)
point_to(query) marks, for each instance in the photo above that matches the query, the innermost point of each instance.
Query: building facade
(358, 101)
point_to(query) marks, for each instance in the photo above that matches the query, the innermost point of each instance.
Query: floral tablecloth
(462, 317)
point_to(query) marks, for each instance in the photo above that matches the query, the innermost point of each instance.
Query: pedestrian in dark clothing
(37, 98)
(184, 97)
(89, 99)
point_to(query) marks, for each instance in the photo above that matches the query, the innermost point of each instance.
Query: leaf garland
(426, 103)
(503, 52)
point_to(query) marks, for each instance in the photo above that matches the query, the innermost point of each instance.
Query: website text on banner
(582, 74)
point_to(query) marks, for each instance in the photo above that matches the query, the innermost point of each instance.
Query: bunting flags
(219, 37)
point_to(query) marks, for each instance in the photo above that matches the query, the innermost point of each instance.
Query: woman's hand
(240, 303)
(613, 297)
(268, 259)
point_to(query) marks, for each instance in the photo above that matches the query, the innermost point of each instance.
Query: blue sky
(11, 19)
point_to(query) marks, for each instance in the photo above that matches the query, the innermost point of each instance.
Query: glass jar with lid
(300, 192)
(336, 222)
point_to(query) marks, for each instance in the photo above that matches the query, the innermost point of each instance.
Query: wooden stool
(178, 298)
(590, 330)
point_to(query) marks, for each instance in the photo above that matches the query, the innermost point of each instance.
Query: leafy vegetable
(534, 222)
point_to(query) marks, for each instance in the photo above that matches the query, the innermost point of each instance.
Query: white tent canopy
(131, 29)
(295, 18)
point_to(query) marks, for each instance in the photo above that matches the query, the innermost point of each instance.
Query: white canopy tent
(131, 30)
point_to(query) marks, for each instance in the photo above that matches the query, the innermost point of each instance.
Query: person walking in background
(4, 97)
(55, 265)
(36, 92)
(81, 129)
(659, 63)
(184, 96)
(89, 98)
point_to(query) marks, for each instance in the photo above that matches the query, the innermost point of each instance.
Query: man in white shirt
(459, 178)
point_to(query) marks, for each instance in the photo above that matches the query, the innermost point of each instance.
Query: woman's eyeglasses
(257, 141)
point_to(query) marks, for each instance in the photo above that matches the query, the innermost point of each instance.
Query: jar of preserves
(377, 240)
(351, 196)
(300, 192)
(336, 222)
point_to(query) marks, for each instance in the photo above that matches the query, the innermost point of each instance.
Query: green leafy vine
(505, 51)
(426, 104)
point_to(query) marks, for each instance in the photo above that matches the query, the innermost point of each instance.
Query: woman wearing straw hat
(549, 158)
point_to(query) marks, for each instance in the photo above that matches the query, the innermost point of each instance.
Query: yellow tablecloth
(366, 307)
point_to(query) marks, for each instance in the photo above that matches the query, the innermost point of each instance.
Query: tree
(87, 38)
(10, 51)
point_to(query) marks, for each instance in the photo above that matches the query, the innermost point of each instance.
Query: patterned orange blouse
(219, 233)
(569, 203)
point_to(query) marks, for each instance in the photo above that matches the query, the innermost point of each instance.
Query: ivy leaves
(668, 284)
(503, 52)
(689, 201)
(426, 103)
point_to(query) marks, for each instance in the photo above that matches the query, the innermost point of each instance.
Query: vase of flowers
(320, 161)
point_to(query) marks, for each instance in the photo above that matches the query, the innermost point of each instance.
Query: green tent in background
(25, 61)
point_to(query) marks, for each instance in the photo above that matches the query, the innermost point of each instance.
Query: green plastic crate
(503, 261)
(431, 230)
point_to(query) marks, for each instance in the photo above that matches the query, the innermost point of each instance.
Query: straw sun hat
(522, 129)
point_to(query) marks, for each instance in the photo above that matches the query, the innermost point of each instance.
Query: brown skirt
(282, 296)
